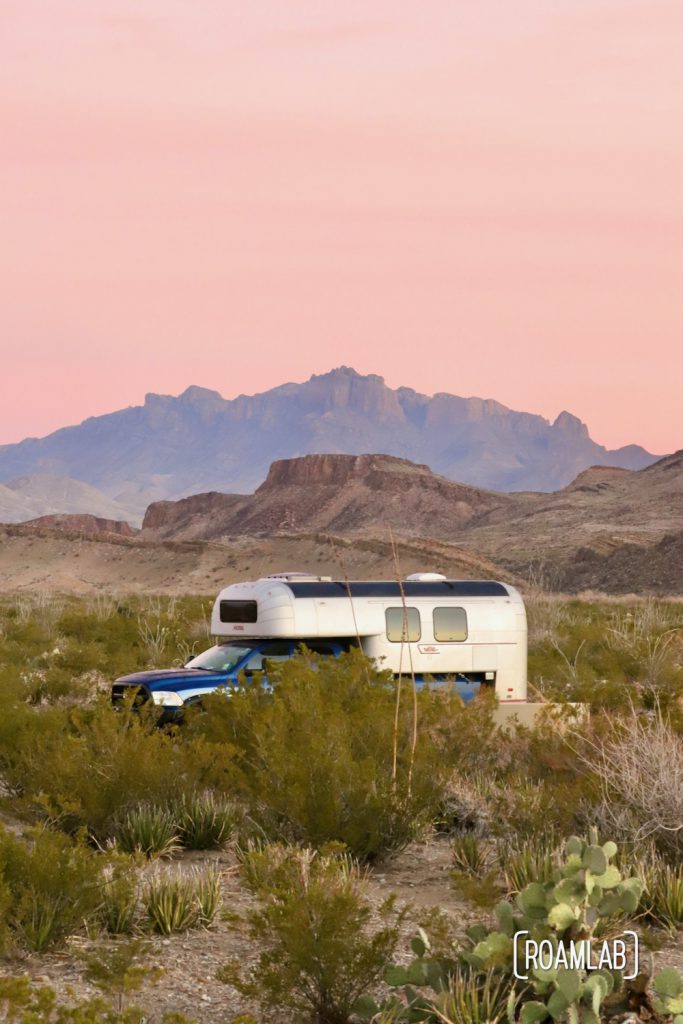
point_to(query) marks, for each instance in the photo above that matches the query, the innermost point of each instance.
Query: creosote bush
(318, 758)
(50, 885)
(319, 948)
(21, 1000)
(83, 767)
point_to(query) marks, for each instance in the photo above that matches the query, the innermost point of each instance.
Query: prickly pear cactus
(668, 993)
(587, 889)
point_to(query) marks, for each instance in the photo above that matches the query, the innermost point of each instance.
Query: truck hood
(175, 679)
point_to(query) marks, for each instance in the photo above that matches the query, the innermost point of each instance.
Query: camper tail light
(167, 698)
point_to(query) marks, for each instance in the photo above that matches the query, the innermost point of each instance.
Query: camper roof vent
(297, 577)
(425, 577)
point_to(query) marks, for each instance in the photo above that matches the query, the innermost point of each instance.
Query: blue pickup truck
(174, 689)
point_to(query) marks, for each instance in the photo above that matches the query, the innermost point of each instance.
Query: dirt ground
(419, 876)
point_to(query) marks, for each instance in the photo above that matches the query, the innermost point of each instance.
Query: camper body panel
(494, 650)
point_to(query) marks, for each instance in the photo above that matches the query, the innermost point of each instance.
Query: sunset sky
(476, 196)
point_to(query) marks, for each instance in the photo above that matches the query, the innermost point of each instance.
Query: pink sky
(474, 196)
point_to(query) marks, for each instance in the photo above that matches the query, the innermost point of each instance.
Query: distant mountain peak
(198, 395)
(570, 424)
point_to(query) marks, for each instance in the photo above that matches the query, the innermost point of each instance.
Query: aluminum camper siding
(496, 640)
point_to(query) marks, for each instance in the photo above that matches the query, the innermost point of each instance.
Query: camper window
(450, 625)
(238, 611)
(397, 620)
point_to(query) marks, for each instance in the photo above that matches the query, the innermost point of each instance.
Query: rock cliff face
(88, 524)
(198, 442)
(610, 529)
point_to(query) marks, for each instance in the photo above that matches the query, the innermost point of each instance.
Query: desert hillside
(614, 530)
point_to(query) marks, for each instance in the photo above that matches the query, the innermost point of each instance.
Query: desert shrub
(114, 972)
(464, 806)
(53, 883)
(119, 970)
(205, 821)
(319, 950)
(639, 764)
(149, 830)
(69, 638)
(84, 766)
(175, 901)
(318, 759)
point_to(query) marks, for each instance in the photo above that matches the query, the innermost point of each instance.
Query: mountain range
(172, 447)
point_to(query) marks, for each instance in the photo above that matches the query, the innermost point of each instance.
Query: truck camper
(472, 633)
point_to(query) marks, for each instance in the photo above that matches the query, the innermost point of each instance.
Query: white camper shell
(472, 630)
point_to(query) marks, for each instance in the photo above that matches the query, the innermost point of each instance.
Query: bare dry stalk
(342, 568)
(413, 744)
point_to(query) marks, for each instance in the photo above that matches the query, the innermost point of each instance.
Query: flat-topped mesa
(334, 469)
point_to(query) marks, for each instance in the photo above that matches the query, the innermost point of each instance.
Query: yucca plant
(171, 903)
(149, 830)
(176, 902)
(204, 821)
(662, 898)
(40, 923)
(474, 999)
(208, 896)
(469, 855)
(534, 863)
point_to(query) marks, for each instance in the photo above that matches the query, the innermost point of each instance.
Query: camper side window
(397, 621)
(450, 625)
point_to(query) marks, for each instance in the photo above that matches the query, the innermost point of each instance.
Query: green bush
(118, 908)
(51, 886)
(85, 766)
(319, 950)
(20, 1000)
(318, 758)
